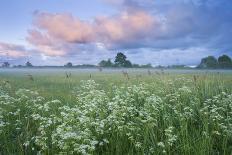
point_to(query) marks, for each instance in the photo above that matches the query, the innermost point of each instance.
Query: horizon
(174, 32)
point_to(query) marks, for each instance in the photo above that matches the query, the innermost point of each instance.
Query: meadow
(81, 111)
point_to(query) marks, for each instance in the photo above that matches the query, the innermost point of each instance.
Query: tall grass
(109, 114)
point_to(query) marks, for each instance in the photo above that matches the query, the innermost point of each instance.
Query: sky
(160, 32)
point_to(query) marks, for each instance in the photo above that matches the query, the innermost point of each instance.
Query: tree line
(7, 64)
(209, 62)
(222, 62)
(121, 61)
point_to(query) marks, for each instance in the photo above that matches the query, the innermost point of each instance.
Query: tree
(109, 63)
(147, 66)
(69, 64)
(28, 64)
(208, 62)
(127, 64)
(105, 63)
(120, 60)
(224, 61)
(102, 63)
(135, 65)
(6, 64)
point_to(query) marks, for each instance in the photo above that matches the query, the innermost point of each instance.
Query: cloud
(54, 33)
(191, 56)
(65, 27)
(45, 44)
(38, 38)
(12, 50)
(184, 27)
(126, 27)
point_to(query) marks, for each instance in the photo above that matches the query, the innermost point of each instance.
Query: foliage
(224, 61)
(105, 63)
(28, 64)
(69, 64)
(127, 64)
(162, 114)
(146, 66)
(6, 64)
(208, 62)
(120, 60)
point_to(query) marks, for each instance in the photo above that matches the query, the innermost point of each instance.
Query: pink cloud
(52, 33)
(38, 38)
(45, 43)
(125, 26)
(12, 50)
(65, 27)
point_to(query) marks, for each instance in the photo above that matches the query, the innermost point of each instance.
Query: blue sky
(158, 32)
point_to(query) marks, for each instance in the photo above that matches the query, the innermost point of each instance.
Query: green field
(93, 112)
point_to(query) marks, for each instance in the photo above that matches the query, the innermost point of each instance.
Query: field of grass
(92, 112)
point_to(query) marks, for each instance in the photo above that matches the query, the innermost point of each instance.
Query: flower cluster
(132, 119)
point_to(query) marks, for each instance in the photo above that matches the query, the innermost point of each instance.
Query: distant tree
(178, 66)
(135, 65)
(105, 63)
(224, 61)
(160, 67)
(208, 62)
(69, 64)
(17, 66)
(28, 64)
(102, 63)
(109, 63)
(85, 66)
(6, 64)
(127, 64)
(120, 60)
(147, 66)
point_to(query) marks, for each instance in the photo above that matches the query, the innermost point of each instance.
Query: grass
(170, 113)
